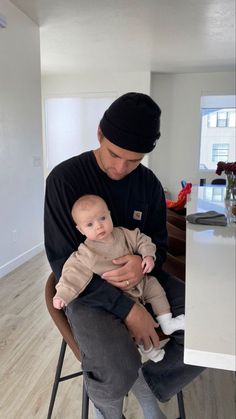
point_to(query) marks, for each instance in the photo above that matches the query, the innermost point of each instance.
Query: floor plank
(29, 348)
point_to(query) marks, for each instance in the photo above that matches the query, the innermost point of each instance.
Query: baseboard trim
(210, 359)
(19, 260)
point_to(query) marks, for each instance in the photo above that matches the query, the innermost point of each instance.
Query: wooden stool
(63, 326)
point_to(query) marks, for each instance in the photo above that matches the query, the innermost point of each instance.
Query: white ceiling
(134, 35)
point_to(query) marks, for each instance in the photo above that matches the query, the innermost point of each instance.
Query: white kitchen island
(210, 285)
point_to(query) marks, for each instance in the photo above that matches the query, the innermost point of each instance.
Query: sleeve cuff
(122, 307)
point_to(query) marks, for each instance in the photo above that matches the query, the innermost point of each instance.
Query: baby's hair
(84, 203)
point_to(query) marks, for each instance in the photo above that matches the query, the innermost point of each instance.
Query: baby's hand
(58, 303)
(148, 264)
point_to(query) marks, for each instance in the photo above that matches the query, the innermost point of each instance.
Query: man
(128, 130)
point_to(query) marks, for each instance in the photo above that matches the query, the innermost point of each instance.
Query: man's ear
(99, 134)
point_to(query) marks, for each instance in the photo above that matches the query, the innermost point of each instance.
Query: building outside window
(221, 119)
(218, 121)
(220, 152)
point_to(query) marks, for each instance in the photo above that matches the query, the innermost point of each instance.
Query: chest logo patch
(137, 215)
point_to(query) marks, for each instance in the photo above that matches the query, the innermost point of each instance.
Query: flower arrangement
(230, 172)
(228, 168)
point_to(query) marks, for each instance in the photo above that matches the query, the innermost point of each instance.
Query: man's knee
(110, 358)
(115, 375)
(116, 363)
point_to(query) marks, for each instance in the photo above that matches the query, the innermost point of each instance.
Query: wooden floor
(29, 345)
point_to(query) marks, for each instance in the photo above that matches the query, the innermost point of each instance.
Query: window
(220, 152)
(218, 115)
(221, 119)
(212, 119)
(231, 119)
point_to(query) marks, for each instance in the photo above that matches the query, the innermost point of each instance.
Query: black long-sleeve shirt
(138, 195)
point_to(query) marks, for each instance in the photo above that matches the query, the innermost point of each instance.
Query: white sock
(155, 354)
(146, 399)
(170, 324)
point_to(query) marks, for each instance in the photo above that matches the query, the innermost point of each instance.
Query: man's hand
(148, 264)
(129, 275)
(58, 303)
(141, 326)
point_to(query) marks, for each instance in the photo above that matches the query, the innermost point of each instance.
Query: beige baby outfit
(96, 257)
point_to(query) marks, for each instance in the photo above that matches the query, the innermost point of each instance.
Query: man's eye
(103, 218)
(89, 224)
(113, 155)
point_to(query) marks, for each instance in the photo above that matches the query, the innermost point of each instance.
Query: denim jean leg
(169, 376)
(110, 359)
(111, 410)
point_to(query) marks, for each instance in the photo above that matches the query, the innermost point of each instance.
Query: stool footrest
(67, 377)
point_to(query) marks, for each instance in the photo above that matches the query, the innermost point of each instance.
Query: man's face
(115, 161)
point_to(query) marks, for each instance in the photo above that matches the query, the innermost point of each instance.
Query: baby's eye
(103, 218)
(89, 224)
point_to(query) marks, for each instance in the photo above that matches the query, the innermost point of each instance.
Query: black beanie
(132, 122)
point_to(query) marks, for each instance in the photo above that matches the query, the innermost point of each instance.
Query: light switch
(36, 161)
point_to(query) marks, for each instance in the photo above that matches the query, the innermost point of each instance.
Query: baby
(103, 244)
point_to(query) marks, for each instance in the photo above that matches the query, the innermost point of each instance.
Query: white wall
(114, 84)
(95, 82)
(176, 155)
(21, 174)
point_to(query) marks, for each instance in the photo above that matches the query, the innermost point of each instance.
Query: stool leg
(85, 403)
(181, 405)
(57, 378)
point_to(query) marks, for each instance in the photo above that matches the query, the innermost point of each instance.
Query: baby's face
(95, 223)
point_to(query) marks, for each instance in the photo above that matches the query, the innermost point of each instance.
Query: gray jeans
(110, 359)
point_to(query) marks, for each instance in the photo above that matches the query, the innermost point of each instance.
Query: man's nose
(121, 166)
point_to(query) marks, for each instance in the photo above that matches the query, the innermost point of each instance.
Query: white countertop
(210, 285)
